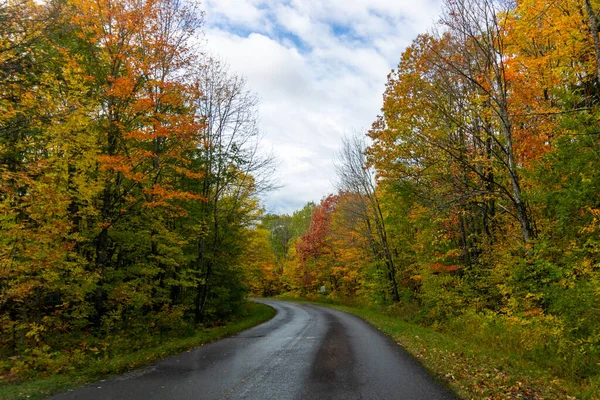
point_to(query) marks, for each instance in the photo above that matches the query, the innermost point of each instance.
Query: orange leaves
(122, 165)
(151, 126)
(550, 51)
(437, 267)
(162, 193)
(169, 198)
(20, 292)
(122, 87)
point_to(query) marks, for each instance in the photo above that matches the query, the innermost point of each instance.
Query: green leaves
(125, 201)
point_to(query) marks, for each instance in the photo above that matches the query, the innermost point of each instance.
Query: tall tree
(230, 158)
(480, 30)
(356, 177)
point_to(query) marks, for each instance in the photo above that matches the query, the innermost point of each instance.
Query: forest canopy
(472, 205)
(129, 175)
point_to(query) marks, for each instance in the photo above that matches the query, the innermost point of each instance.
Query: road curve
(304, 352)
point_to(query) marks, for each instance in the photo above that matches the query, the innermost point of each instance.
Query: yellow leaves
(583, 269)
(594, 225)
(35, 330)
(190, 173)
(417, 212)
(260, 263)
(567, 284)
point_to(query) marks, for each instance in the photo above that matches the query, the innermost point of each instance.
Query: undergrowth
(44, 372)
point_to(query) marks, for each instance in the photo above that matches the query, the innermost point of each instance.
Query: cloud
(246, 14)
(319, 69)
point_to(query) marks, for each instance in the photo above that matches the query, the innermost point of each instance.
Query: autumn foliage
(129, 176)
(474, 206)
(125, 192)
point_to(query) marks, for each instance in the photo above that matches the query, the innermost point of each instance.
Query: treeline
(129, 174)
(474, 206)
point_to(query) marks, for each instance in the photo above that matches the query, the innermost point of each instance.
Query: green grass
(42, 387)
(472, 370)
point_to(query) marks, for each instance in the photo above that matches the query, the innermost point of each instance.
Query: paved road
(304, 352)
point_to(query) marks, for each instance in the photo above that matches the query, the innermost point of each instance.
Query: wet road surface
(304, 352)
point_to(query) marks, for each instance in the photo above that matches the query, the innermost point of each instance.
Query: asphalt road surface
(304, 352)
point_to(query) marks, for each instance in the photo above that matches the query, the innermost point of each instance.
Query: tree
(480, 28)
(231, 160)
(314, 250)
(355, 177)
(260, 263)
(146, 124)
(43, 123)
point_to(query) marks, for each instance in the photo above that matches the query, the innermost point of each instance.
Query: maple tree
(315, 246)
(357, 179)
(125, 195)
(146, 125)
(130, 173)
(477, 193)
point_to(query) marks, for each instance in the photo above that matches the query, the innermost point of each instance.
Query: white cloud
(241, 13)
(319, 68)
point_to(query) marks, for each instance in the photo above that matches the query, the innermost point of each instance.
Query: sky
(319, 68)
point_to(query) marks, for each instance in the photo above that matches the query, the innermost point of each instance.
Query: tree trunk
(389, 260)
(200, 283)
(520, 207)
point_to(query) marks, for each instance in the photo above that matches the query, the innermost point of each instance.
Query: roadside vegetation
(129, 184)
(130, 174)
(101, 358)
(471, 208)
(485, 365)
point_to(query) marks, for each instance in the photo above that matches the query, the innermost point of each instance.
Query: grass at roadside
(471, 370)
(41, 387)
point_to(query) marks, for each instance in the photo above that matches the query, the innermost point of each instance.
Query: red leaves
(313, 242)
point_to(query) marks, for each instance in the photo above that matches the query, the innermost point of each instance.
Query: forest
(131, 176)
(129, 179)
(472, 205)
